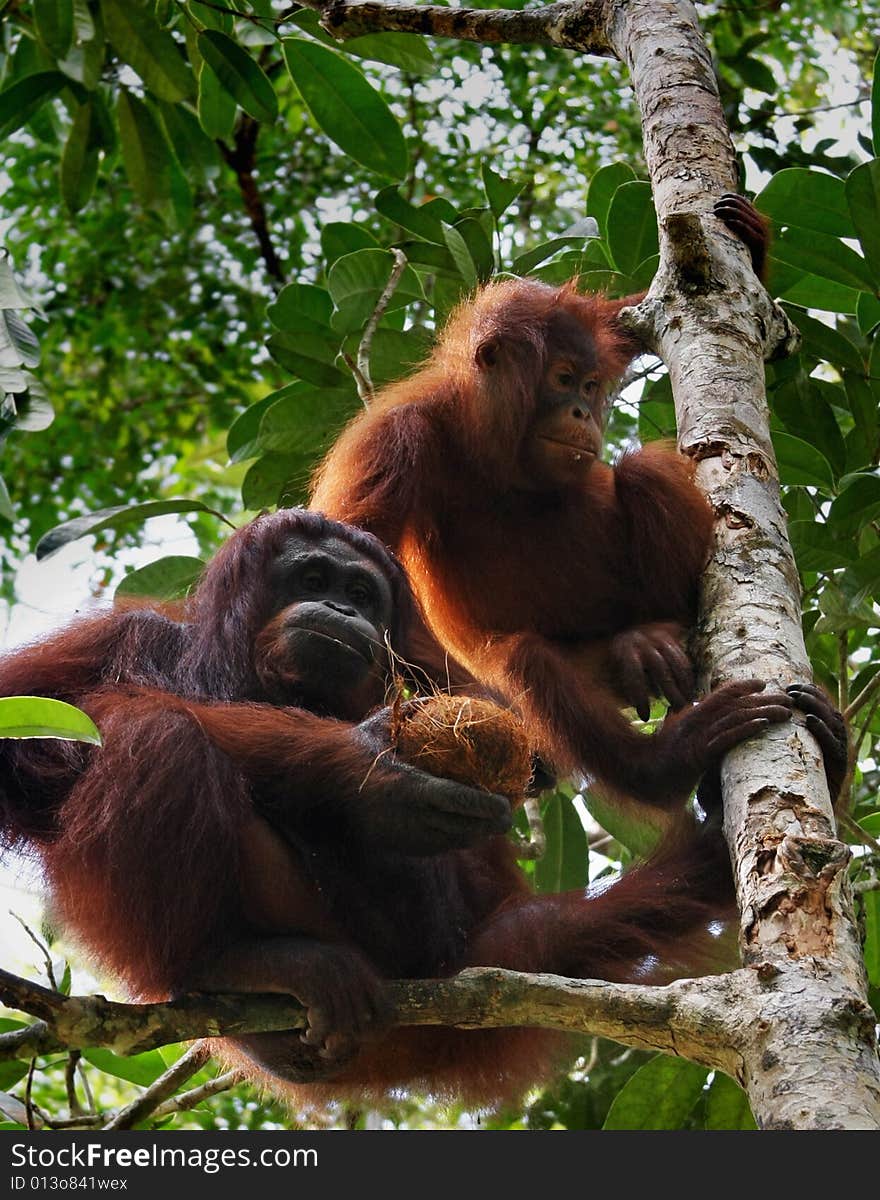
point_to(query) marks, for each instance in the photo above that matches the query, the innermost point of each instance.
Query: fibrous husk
(470, 740)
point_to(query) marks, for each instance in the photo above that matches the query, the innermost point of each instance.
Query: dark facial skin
(565, 437)
(325, 648)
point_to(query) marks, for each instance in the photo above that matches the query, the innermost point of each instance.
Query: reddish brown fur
(524, 587)
(159, 861)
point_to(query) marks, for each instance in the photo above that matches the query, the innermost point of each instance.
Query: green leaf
(565, 864)
(85, 58)
(803, 405)
(19, 339)
(754, 73)
(867, 312)
(422, 220)
(844, 606)
(601, 191)
(273, 477)
(809, 199)
(83, 21)
(53, 21)
(113, 518)
(242, 77)
(346, 108)
(500, 192)
(632, 226)
(395, 353)
(145, 152)
(809, 290)
(407, 51)
(211, 18)
(801, 463)
(660, 1095)
(479, 245)
(79, 159)
(526, 263)
(871, 824)
(339, 238)
(194, 150)
(302, 308)
(216, 107)
(142, 1069)
(11, 294)
(309, 357)
(857, 504)
(23, 99)
(863, 439)
(824, 341)
(35, 413)
(6, 508)
(871, 902)
(168, 578)
(10, 1072)
(875, 106)
(303, 420)
(429, 257)
(727, 1105)
(657, 411)
(139, 40)
(461, 255)
(241, 441)
(828, 257)
(820, 547)
(863, 198)
(356, 281)
(37, 717)
(636, 831)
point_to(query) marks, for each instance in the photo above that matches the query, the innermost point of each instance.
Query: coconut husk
(470, 740)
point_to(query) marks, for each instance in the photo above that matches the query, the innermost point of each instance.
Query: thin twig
(188, 1100)
(28, 1096)
(41, 946)
(366, 343)
(164, 1087)
(853, 827)
(73, 1104)
(535, 846)
(867, 692)
(843, 671)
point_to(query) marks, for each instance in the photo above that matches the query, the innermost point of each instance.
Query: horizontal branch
(570, 24)
(688, 1017)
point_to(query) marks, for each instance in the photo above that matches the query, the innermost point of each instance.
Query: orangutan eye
(563, 378)
(361, 594)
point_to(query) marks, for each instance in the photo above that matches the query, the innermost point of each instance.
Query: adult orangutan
(248, 712)
(560, 581)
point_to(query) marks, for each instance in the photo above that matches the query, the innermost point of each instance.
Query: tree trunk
(809, 1059)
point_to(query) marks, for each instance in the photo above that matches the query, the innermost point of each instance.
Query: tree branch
(242, 158)
(165, 1086)
(574, 26)
(689, 1017)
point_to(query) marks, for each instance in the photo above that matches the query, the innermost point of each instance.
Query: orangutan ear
(488, 353)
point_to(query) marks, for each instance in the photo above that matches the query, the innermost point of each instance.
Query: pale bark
(813, 1063)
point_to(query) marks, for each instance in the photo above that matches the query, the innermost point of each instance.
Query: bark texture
(809, 1057)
